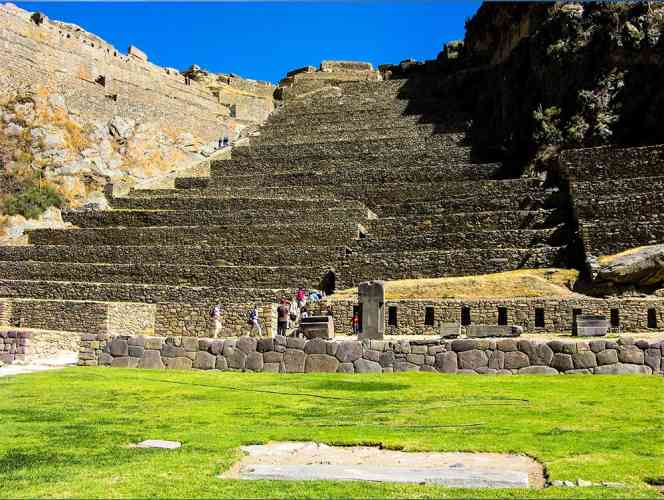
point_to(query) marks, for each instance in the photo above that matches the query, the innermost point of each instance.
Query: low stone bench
(587, 325)
(480, 331)
(317, 327)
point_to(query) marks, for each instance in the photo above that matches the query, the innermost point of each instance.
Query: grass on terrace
(522, 283)
(65, 434)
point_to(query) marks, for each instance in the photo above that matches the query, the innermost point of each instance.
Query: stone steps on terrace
(443, 118)
(196, 202)
(529, 201)
(167, 274)
(130, 292)
(366, 123)
(463, 222)
(617, 187)
(516, 238)
(611, 236)
(242, 234)
(402, 162)
(345, 175)
(401, 133)
(448, 146)
(151, 218)
(407, 264)
(634, 206)
(591, 164)
(191, 254)
(377, 194)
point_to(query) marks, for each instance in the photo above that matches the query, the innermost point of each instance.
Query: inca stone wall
(295, 355)
(558, 313)
(69, 61)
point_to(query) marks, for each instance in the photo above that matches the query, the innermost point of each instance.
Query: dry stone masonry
(295, 355)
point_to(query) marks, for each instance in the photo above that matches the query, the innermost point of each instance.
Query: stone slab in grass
(319, 462)
(159, 443)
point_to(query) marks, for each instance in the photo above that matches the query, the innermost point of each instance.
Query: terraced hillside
(372, 183)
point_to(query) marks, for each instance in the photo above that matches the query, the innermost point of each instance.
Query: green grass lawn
(66, 433)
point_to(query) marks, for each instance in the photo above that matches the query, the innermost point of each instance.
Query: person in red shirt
(356, 324)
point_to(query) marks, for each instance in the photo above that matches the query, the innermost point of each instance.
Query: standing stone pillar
(371, 296)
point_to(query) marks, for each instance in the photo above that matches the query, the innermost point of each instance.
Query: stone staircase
(372, 183)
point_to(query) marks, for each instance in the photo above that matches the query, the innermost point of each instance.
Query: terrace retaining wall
(295, 355)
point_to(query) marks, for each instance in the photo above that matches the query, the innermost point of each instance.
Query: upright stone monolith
(371, 296)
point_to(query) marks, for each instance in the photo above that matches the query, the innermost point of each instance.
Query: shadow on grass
(358, 386)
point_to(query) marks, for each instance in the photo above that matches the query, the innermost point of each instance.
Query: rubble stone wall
(295, 355)
(54, 315)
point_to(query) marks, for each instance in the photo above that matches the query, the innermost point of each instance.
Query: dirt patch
(314, 461)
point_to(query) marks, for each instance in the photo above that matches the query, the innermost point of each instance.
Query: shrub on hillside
(32, 201)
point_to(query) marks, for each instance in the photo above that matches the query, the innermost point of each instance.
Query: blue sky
(264, 40)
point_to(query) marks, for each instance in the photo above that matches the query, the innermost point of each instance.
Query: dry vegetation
(521, 283)
(608, 259)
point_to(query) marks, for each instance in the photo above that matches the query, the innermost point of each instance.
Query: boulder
(346, 368)
(608, 357)
(622, 369)
(446, 362)
(247, 344)
(204, 361)
(235, 358)
(515, 360)
(584, 359)
(273, 357)
(124, 362)
(473, 359)
(321, 363)
(538, 370)
(643, 266)
(180, 363)
(538, 353)
(632, 355)
(254, 362)
(349, 351)
(294, 361)
(562, 362)
(316, 346)
(221, 363)
(118, 347)
(366, 366)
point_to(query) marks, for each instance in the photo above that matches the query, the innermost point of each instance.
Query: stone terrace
(617, 196)
(357, 181)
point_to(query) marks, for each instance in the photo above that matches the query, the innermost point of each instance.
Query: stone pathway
(57, 361)
(313, 461)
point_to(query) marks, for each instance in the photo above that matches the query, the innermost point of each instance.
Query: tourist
(282, 318)
(356, 324)
(293, 314)
(253, 321)
(301, 297)
(329, 282)
(215, 315)
(304, 313)
(226, 141)
(329, 311)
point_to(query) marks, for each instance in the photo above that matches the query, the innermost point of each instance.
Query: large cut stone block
(349, 351)
(321, 363)
(318, 327)
(473, 359)
(294, 360)
(204, 361)
(479, 331)
(151, 359)
(371, 295)
(366, 366)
